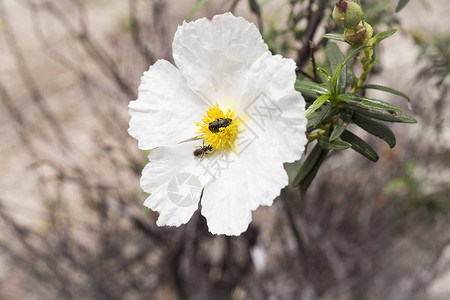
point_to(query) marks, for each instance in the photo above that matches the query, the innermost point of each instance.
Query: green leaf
(316, 104)
(351, 52)
(335, 57)
(388, 117)
(359, 145)
(381, 36)
(309, 96)
(353, 76)
(307, 165)
(310, 90)
(401, 4)
(309, 86)
(385, 89)
(367, 102)
(195, 9)
(372, 64)
(337, 37)
(309, 169)
(341, 124)
(325, 143)
(318, 117)
(324, 72)
(375, 128)
(306, 182)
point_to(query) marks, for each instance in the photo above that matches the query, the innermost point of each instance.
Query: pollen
(219, 129)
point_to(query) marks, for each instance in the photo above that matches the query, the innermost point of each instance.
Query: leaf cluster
(333, 105)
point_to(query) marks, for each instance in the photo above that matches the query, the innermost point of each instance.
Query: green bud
(347, 14)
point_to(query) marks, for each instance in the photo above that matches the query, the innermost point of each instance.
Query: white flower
(232, 104)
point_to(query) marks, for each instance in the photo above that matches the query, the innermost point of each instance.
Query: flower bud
(358, 34)
(347, 14)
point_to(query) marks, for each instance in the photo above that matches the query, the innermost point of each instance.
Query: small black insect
(202, 151)
(219, 123)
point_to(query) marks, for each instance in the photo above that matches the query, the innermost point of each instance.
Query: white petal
(170, 213)
(273, 109)
(225, 203)
(264, 171)
(175, 180)
(166, 109)
(252, 178)
(211, 53)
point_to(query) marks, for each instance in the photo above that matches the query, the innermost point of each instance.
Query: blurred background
(71, 216)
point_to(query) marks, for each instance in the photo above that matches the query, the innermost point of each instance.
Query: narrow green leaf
(309, 96)
(195, 9)
(310, 90)
(385, 89)
(316, 104)
(335, 57)
(359, 145)
(401, 4)
(324, 72)
(318, 117)
(309, 86)
(341, 124)
(323, 78)
(352, 52)
(354, 78)
(325, 143)
(388, 117)
(372, 64)
(306, 182)
(307, 165)
(375, 128)
(367, 102)
(337, 37)
(313, 119)
(382, 35)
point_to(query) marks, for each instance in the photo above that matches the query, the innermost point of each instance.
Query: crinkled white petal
(225, 202)
(273, 109)
(166, 109)
(210, 53)
(251, 178)
(174, 179)
(263, 166)
(170, 214)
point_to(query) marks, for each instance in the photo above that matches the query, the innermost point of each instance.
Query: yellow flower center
(219, 130)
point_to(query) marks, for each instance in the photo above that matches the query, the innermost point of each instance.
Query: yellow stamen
(224, 139)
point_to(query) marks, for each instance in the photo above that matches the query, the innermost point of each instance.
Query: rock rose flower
(220, 125)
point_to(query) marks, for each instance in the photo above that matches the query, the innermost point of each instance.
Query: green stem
(367, 67)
